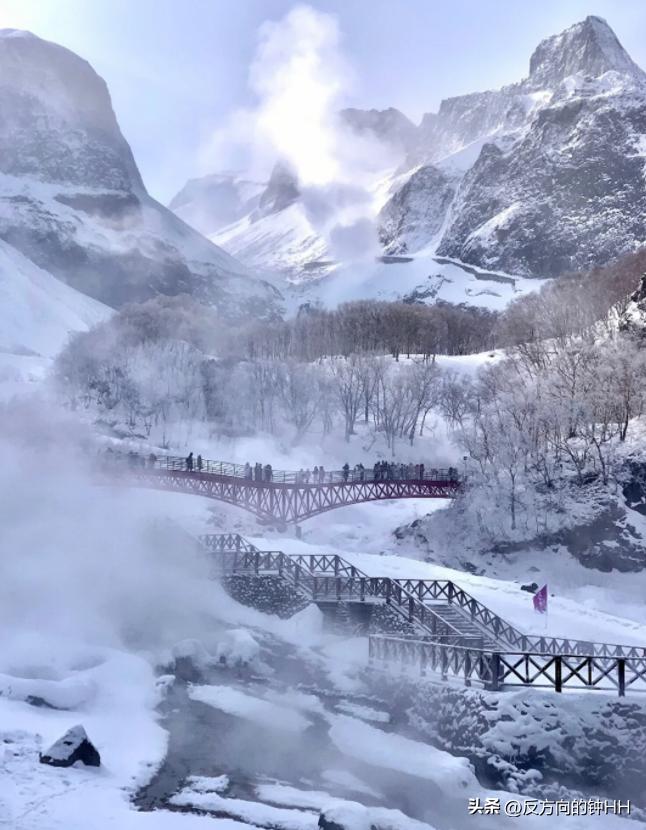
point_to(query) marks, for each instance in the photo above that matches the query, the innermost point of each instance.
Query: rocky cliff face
(415, 214)
(389, 126)
(553, 167)
(72, 199)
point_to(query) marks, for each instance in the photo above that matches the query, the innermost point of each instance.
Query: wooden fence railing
(496, 670)
(518, 659)
(330, 578)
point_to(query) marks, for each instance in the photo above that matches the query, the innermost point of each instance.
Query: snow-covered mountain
(72, 199)
(538, 178)
(552, 167)
(277, 234)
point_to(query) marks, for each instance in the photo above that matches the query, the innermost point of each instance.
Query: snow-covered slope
(277, 234)
(72, 199)
(284, 242)
(213, 202)
(37, 311)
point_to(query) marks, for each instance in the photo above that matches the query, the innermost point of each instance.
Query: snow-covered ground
(37, 311)
(421, 276)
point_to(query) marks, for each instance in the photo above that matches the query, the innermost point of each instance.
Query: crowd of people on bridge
(381, 470)
(258, 472)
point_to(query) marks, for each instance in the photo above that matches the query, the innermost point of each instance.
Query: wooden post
(467, 669)
(362, 588)
(494, 667)
(256, 566)
(621, 676)
(411, 609)
(558, 673)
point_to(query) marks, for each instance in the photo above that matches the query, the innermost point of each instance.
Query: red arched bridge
(287, 497)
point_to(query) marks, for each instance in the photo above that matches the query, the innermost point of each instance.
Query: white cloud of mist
(83, 563)
(302, 80)
(299, 75)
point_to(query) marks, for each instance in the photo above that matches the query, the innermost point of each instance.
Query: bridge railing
(447, 591)
(396, 472)
(225, 542)
(499, 669)
(326, 577)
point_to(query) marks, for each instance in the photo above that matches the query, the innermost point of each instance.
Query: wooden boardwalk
(456, 636)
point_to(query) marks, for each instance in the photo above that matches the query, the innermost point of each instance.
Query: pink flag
(540, 600)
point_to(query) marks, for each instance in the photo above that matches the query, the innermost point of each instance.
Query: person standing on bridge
(321, 474)
(199, 463)
(346, 471)
(152, 459)
(315, 475)
(257, 471)
(269, 473)
(421, 471)
(189, 462)
(247, 470)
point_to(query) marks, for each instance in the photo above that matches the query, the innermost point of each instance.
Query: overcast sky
(177, 69)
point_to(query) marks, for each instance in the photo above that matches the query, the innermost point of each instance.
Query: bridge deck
(281, 496)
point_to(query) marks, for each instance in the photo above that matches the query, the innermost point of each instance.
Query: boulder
(531, 588)
(72, 747)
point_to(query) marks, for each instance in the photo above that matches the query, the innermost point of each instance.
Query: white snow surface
(256, 709)
(37, 311)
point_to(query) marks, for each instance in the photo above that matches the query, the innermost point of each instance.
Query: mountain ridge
(538, 178)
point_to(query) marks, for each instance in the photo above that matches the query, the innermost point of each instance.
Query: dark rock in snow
(326, 823)
(532, 588)
(281, 191)
(72, 747)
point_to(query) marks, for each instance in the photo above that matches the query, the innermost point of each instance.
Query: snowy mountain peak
(390, 125)
(589, 47)
(73, 202)
(53, 99)
(281, 191)
(10, 33)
